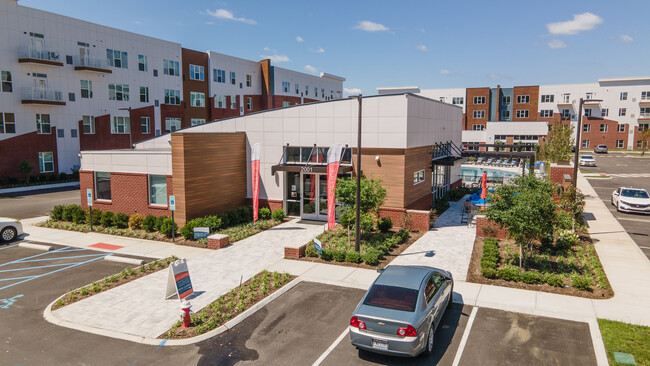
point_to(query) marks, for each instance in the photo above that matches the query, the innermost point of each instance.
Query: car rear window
(391, 297)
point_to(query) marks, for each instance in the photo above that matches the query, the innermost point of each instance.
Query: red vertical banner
(255, 178)
(333, 162)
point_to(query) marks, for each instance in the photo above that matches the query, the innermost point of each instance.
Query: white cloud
(209, 23)
(276, 58)
(556, 43)
(351, 91)
(627, 39)
(137, 22)
(581, 22)
(368, 26)
(299, 39)
(319, 50)
(422, 48)
(311, 69)
(445, 72)
(228, 15)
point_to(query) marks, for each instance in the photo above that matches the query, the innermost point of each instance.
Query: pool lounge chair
(497, 162)
(489, 161)
(479, 161)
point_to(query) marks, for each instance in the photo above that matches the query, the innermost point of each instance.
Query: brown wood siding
(417, 159)
(190, 85)
(209, 172)
(390, 169)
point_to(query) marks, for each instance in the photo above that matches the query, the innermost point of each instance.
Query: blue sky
(432, 44)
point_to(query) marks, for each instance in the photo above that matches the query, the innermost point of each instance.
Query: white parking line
(631, 219)
(331, 348)
(463, 341)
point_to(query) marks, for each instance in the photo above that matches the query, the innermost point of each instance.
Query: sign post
(89, 197)
(172, 208)
(178, 280)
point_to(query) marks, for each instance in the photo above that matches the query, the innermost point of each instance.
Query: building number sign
(306, 169)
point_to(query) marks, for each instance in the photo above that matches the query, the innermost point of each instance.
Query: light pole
(357, 231)
(578, 142)
(130, 126)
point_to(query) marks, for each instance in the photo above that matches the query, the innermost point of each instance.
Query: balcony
(91, 64)
(564, 104)
(644, 115)
(41, 56)
(42, 96)
(644, 102)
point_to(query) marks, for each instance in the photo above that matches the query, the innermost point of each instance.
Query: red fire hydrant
(185, 313)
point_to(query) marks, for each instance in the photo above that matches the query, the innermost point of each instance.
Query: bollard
(185, 313)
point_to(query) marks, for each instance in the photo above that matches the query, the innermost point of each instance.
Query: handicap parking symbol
(6, 303)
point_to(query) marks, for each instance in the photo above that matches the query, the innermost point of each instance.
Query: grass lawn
(626, 338)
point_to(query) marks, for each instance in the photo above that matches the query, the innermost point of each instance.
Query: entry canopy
(307, 168)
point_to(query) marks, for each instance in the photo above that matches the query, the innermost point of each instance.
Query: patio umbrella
(484, 190)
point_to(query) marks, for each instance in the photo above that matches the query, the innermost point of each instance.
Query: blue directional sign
(172, 203)
(89, 196)
(318, 246)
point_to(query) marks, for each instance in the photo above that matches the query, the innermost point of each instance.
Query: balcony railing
(91, 64)
(42, 96)
(39, 55)
(644, 115)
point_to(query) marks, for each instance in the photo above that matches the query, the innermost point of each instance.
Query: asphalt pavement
(22, 205)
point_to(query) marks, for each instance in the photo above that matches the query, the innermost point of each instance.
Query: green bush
(53, 178)
(384, 224)
(108, 217)
(264, 213)
(57, 213)
(97, 216)
(78, 214)
(135, 221)
(509, 273)
(168, 227)
(338, 255)
(581, 282)
(159, 222)
(310, 251)
(63, 176)
(213, 223)
(555, 280)
(121, 221)
(278, 215)
(13, 180)
(149, 223)
(371, 257)
(566, 239)
(327, 254)
(532, 277)
(491, 257)
(403, 235)
(67, 212)
(393, 241)
(352, 256)
(489, 272)
(42, 177)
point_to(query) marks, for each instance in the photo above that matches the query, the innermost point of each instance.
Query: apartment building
(69, 85)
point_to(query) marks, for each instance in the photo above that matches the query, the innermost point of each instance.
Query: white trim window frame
(220, 101)
(645, 95)
(144, 94)
(233, 78)
(172, 97)
(604, 112)
(522, 113)
(172, 124)
(43, 124)
(197, 99)
(86, 89)
(142, 63)
(586, 127)
(506, 100)
(286, 86)
(120, 125)
(478, 114)
(219, 76)
(100, 185)
(479, 100)
(623, 96)
(233, 102)
(621, 127)
(587, 112)
(7, 123)
(546, 113)
(523, 99)
(585, 143)
(46, 162)
(478, 127)
(157, 186)
(457, 100)
(145, 125)
(197, 121)
(603, 127)
(7, 84)
(249, 80)
(196, 72)
(622, 112)
(249, 104)
(171, 68)
(505, 115)
(548, 98)
(619, 144)
(88, 125)
(118, 92)
(418, 176)
(117, 58)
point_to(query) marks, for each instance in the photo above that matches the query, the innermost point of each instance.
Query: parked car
(10, 229)
(587, 160)
(400, 312)
(628, 199)
(600, 149)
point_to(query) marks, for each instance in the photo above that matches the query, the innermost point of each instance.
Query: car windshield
(634, 193)
(391, 297)
(586, 157)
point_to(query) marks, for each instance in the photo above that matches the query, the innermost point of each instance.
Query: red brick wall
(279, 99)
(269, 203)
(103, 139)
(637, 136)
(457, 184)
(531, 106)
(471, 107)
(136, 126)
(26, 146)
(220, 113)
(129, 194)
(482, 222)
(190, 85)
(172, 111)
(557, 173)
(608, 138)
(418, 220)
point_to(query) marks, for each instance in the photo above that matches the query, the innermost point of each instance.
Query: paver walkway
(139, 307)
(447, 246)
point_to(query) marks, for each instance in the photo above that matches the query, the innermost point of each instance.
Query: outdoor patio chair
(464, 214)
(471, 214)
(489, 161)
(497, 162)
(479, 160)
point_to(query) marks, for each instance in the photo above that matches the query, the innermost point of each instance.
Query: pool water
(477, 172)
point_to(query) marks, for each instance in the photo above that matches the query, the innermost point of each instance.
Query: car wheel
(618, 207)
(429, 349)
(8, 234)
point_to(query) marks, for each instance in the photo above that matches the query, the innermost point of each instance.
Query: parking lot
(628, 170)
(22, 205)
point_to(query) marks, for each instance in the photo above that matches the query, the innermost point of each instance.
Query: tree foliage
(645, 135)
(373, 194)
(558, 143)
(25, 168)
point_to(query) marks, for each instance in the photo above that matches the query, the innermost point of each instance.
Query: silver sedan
(400, 312)
(10, 229)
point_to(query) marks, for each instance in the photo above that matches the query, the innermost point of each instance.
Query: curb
(46, 248)
(38, 187)
(51, 318)
(114, 258)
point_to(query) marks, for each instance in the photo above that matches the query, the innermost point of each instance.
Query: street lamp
(578, 142)
(357, 214)
(130, 126)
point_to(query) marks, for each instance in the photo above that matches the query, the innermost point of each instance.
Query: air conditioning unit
(633, 100)
(632, 115)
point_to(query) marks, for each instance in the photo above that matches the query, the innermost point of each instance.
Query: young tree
(24, 167)
(373, 196)
(645, 135)
(558, 143)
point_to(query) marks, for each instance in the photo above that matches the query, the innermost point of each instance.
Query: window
(232, 78)
(73, 133)
(46, 162)
(306, 89)
(249, 104)
(479, 114)
(645, 112)
(392, 297)
(457, 100)
(546, 113)
(249, 80)
(322, 93)
(585, 143)
(145, 125)
(522, 113)
(505, 115)
(86, 89)
(196, 72)
(645, 95)
(172, 96)
(219, 76)
(603, 127)
(587, 112)
(6, 82)
(88, 124)
(103, 186)
(622, 111)
(315, 91)
(285, 86)
(500, 137)
(623, 96)
(220, 101)
(619, 144)
(621, 128)
(286, 104)
(172, 124)
(418, 177)
(643, 126)
(506, 100)
(197, 121)
(118, 92)
(479, 100)
(566, 98)
(43, 123)
(7, 123)
(120, 125)
(142, 62)
(170, 67)
(442, 99)
(548, 98)
(586, 127)
(117, 58)
(566, 114)
(197, 99)
(233, 102)
(297, 89)
(144, 94)
(604, 112)
(478, 127)
(639, 144)
(158, 190)
(523, 99)
(589, 95)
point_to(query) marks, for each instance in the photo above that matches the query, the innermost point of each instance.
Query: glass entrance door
(314, 197)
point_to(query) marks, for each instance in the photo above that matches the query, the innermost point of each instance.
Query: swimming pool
(477, 172)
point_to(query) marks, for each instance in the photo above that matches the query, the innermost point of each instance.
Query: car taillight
(409, 331)
(355, 322)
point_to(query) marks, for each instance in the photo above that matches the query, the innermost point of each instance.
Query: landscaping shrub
(63, 176)
(384, 224)
(149, 223)
(121, 221)
(42, 177)
(555, 280)
(32, 179)
(338, 255)
(581, 282)
(509, 273)
(353, 256)
(96, 215)
(278, 215)
(77, 214)
(53, 178)
(57, 213)
(371, 257)
(393, 241)
(566, 239)
(489, 272)
(212, 222)
(167, 226)
(532, 277)
(264, 213)
(159, 222)
(327, 254)
(67, 213)
(403, 235)
(107, 219)
(490, 259)
(13, 180)
(135, 221)
(310, 251)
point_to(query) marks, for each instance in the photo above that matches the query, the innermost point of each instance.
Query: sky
(430, 44)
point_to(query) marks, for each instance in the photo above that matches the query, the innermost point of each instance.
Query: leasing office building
(207, 167)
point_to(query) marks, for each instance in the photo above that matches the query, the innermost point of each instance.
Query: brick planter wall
(482, 222)
(418, 220)
(218, 241)
(294, 253)
(557, 173)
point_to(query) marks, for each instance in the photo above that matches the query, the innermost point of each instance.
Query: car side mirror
(380, 270)
(615, 193)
